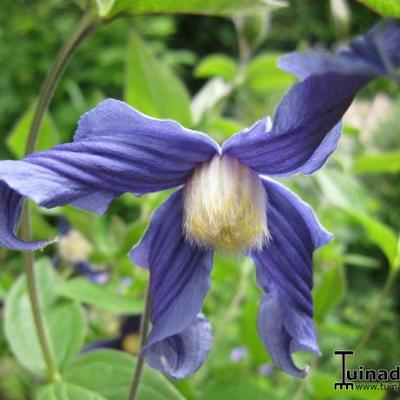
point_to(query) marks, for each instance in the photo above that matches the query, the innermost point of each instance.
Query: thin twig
(87, 25)
(376, 316)
(47, 351)
(144, 328)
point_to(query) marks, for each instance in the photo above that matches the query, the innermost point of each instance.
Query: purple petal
(304, 64)
(305, 130)
(375, 53)
(284, 273)
(116, 149)
(304, 133)
(179, 281)
(181, 355)
(10, 214)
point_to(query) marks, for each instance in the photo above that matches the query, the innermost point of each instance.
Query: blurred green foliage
(210, 74)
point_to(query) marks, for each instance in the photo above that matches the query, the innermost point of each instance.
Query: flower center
(225, 206)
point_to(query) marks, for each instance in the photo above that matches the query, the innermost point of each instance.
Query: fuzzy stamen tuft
(225, 206)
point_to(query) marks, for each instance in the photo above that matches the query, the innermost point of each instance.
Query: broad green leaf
(381, 235)
(343, 190)
(235, 388)
(60, 316)
(223, 127)
(389, 8)
(388, 162)
(248, 328)
(152, 88)
(67, 391)
(133, 234)
(264, 75)
(202, 7)
(109, 373)
(17, 138)
(217, 65)
(397, 259)
(329, 290)
(101, 296)
(322, 387)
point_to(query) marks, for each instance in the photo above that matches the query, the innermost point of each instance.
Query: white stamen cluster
(225, 206)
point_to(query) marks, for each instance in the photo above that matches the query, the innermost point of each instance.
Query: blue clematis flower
(365, 58)
(224, 201)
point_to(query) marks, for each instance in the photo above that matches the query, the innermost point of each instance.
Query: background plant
(217, 75)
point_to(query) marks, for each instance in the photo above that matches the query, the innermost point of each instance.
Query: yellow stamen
(225, 206)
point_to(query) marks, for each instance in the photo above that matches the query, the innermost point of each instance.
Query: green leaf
(381, 235)
(151, 86)
(203, 7)
(67, 391)
(17, 138)
(397, 258)
(388, 162)
(109, 373)
(60, 316)
(217, 65)
(248, 328)
(234, 388)
(101, 296)
(223, 127)
(389, 8)
(328, 291)
(264, 75)
(322, 386)
(343, 190)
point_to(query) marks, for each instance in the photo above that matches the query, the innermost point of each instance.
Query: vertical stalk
(376, 316)
(87, 25)
(144, 327)
(47, 351)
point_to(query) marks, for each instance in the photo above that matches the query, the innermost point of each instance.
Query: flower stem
(48, 355)
(378, 310)
(86, 26)
(88, 23)
(144, 327)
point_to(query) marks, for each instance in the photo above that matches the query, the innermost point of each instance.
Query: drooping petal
(181, 355)
(375, 53)
(116, 149)
(179, 281)
(284, 273)
(305, 130)
(10, 215)
(304, 133)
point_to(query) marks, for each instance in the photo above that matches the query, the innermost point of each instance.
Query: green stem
(376, 316)
(48, 355)
(87, 25)
(144, 327)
